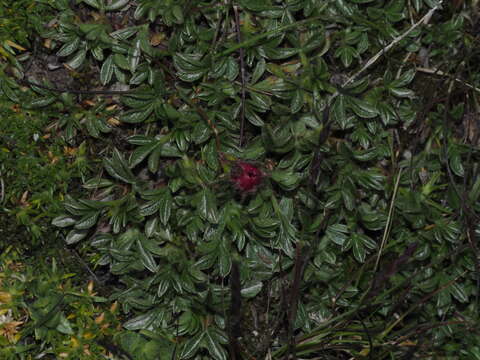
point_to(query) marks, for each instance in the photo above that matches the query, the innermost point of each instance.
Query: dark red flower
(246, 176)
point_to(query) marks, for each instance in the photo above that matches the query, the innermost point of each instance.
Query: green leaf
(141, 322)
(121, 61)
(362, 108)
(154, 160)
(359, 251)
(135, 117)
(75, 236)
(405, 79)
(339, 113)
(149, 208)
(165, 207)
(120, 75)
(213, 345)
(92, 128)
(147, 259)
(261, 102)
(151, 227)
(78, 59)
(444, 300)
(348, 198)
(207, 206)
(337, 233)
(97, 53)
(138, 78)
(42, 102)
(106, 71)
(64, 326)
(329, 257)
(251, 289)
(402, 92)
(6, 88)
(211, 155)
(297, 101)
(191, 346)
(474, 353)
(367, 241)
(177, 13)
(97, 183)
(274, 85)
(169, 150)
(287, 179)
(140, 140)
(346, 54)
(258, 71)
(142, 152)
(252, 116)
(63, 221)
(116, 5)
(69, 48)
(224, 259)
(74, 207)
(94, 3)
(456, 164)
(190, 66)
(87, 221)
(134, 57)
(370, 179)
(474, 193)
(458, 292)
(118, 168)
(386, 112)
(125, 33)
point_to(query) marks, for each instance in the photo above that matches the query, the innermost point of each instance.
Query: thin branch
(204, 117)
(418, 303)
(469, 223)
(255, 39)
(422, 328)
(235, 313)
(85, 265)
(77, 92)
(2, 191)
(370, 342)
(295, 292)
(242, 75)
(441, 73)
(470, 217)
(213, 46)
(394, 42)
(389, 220)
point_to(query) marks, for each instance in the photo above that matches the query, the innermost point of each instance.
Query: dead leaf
(70, 151)
(10, 331)
(113, 121)
(100, 318)
(15, 45)
(47, 43)
(23, 199)
(157, 39)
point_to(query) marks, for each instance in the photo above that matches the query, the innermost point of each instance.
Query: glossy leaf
(106, 71)
(78, 59)
(63, 221)
(147, 259)
(191, 346)
(75, 236)
(214, 348)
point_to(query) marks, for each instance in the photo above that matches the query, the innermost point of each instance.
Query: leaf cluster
(361, 240)
(44, 312)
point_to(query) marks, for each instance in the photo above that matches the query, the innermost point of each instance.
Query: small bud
(246, 176)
